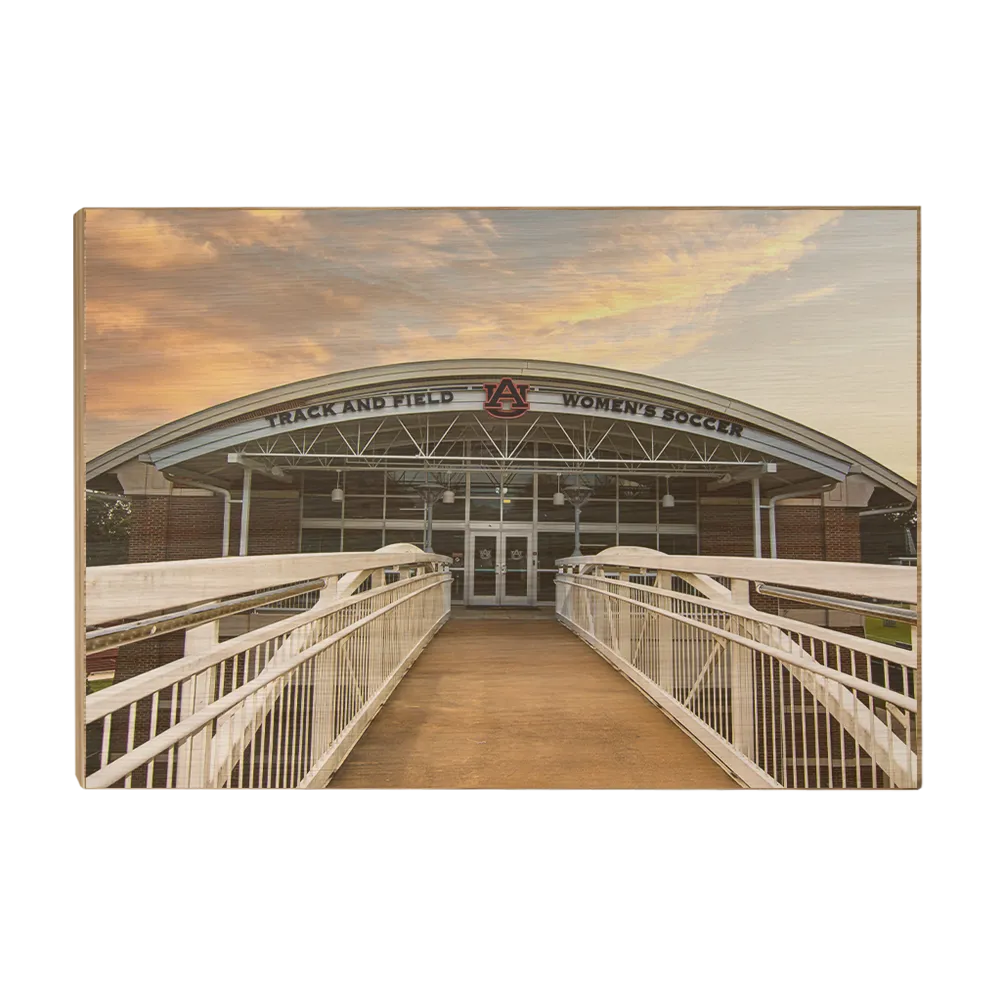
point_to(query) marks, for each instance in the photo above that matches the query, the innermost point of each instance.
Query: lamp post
(577, 495)
(430, 493)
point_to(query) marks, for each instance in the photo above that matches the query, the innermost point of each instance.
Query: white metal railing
(780, 702)
(300, 602)
(281, 706)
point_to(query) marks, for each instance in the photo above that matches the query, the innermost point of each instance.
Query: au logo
(506, 398)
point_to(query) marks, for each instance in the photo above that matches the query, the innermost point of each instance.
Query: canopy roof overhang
(435, 416)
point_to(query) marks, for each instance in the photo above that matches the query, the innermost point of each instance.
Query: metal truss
(452, 443)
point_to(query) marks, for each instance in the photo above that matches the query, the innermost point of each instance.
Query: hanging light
(337, 495)
(448, 496)
(558, 500)
(667, 500)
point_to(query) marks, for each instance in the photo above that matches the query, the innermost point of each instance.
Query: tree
(109, 522)
(889, 536)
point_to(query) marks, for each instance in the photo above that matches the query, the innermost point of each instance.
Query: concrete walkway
(520, 702)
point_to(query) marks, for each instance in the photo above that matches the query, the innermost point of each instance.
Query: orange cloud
(140, 240)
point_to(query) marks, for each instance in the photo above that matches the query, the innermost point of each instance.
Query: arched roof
(246, 418)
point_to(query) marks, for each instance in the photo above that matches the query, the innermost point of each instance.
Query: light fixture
(337, 496)
(667, 500)
(448, 496)
(558, 500)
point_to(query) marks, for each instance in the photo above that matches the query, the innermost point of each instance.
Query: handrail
(888, 611)
(895, 583)
(777, 701)
(118, 696)
(147, 751)
(130, 590)
(869, 647)
(796, 657)
(174, 621)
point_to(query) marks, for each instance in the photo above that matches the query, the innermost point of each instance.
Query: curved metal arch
(217, 425)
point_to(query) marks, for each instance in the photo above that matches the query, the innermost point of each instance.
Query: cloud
(278, 228)
(189, 308)
(140, 240)
(779, 303)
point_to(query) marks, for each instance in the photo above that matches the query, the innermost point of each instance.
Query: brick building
(518, 463)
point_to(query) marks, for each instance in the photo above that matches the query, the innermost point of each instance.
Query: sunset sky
(810, 314)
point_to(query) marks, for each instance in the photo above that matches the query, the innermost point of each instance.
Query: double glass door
(501, 563)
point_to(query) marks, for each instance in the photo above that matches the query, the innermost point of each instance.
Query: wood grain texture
(79, 501)
(521, 703)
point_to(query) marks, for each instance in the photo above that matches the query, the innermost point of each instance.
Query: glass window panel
(414, 535)
(548, 511)
(647, 541)
(320, 506)
(323, 482)
(518, 510)
(592, 543)
(637, 511)
(637, 488)
(598, 512)
(680, 488)
(547, 483)
(484, 509)
(401, 483)
(546, 587)
(679, 545)
(521, 484)
(362, 539)
(484, 553)
(484, 484)
(553, 546)
(604, 486)
(403, 508)
(680, 513)
(451, 544)
(320, 540)
(450, 511)
(362, 481)
(362, 506)
(515, 565)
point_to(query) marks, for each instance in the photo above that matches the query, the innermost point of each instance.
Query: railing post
(665, 635)
(197, 692)
(918, 726)
(624, 616)
(328, 595)
(741, 682)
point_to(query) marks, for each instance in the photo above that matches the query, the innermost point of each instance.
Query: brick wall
(804, 532)
(274, 526)
(190, 527)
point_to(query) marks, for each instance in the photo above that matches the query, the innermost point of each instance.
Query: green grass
(883, 630)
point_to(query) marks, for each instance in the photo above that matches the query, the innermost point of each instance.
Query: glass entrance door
(501, 565)
(485, 572)
(514, 569)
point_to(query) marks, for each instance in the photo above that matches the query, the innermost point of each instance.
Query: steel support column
(245, 513)
(755, 483)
